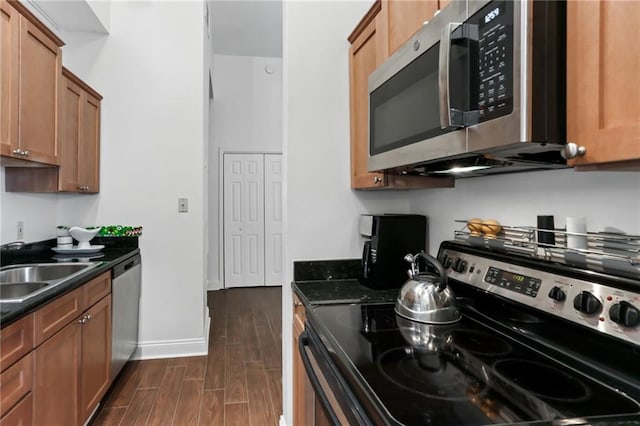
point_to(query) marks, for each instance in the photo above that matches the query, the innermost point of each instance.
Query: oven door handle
(303, 341)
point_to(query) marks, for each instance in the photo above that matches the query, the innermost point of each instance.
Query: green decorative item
(120, 231)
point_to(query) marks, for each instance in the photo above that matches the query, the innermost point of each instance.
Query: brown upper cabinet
(402, 18)
(603, 93)
(369, 49)
(79, 136)
(30, 64)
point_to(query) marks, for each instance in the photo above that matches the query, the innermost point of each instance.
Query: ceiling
(247, 27)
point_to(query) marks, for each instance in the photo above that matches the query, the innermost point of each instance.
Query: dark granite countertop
(322, 282)
(114, 252)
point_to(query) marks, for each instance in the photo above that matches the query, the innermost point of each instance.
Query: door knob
(377, 179)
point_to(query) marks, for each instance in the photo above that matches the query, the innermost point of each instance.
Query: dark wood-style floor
(238, 383)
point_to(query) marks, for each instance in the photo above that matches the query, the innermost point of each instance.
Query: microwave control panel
(495, 59)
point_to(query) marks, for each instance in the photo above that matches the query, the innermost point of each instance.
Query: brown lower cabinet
(62, 380)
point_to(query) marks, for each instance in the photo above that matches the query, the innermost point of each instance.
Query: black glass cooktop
(464, 374)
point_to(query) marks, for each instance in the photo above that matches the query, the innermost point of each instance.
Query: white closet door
(243, 220)
(273, 218)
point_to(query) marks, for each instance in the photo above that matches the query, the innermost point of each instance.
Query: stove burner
(428, 374)
(480, 343)
(543, 380)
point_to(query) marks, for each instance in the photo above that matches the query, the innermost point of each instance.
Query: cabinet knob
(88, 317)
(297, 304)
(26, 153)
(82, 320)
(572, 150)
(377, 179)
(16, 151)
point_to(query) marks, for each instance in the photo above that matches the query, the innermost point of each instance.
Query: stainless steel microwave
(479, 89)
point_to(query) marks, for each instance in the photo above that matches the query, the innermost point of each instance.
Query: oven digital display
(518, 283)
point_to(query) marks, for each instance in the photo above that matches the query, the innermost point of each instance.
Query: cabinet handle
(82, 320)
(377, 179)
(572, 150)
(88, 317)
(17, 151)
(26, 153)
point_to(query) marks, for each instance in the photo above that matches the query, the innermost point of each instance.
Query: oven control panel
(607, 309)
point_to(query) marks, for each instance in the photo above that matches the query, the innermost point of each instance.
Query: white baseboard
(282, 422)
(214, 285)
(171, 348)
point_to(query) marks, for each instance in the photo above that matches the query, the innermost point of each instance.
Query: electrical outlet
(20, 230)
(183, 205)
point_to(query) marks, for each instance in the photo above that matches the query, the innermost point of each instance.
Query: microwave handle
(446, 119)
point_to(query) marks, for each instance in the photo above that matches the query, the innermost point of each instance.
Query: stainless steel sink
(20, 282)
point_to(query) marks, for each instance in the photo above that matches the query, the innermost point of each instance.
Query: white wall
(36, 211)
(150, 72)
(321, 213)
(604, 198)
(246, 117)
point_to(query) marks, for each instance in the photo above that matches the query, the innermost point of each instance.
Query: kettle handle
(436, 264)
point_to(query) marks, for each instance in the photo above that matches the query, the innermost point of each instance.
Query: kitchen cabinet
(603, 96)
(31, 63)
(303, 396)
(72, 367)
(79, 146)
(79, 136)
(16, 377)
(369, 49)
(402, 18)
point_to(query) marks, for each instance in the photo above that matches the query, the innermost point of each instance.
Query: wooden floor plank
(235, 382)
(167, 396)
(125, 386)
(274, 378)
(196, 366)
(236, 414)
(212, 408)
(109, 416)
(249, 338)
(138, 411)
(271, 353)
(216, 364)
(260, 410)
(177, 362)
(188, 408)
(151, 372)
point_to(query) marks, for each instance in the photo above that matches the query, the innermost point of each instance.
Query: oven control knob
(624, 313)
(461, 266)
(447, 262)
(587, 303)
(557, 294)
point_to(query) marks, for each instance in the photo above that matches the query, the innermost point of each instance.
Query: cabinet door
(69, 136)
(404, 17)
(96, 356)
(39, 78)
(21, 414)
(603, 94)
(89, 149)
(9, 51)
(57, 377)
(365, 55)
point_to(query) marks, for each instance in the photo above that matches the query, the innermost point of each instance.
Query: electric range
(538, 342)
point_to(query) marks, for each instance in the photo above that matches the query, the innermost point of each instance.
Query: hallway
(238, 383)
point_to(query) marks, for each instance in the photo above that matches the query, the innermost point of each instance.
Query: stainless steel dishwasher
(125, 294)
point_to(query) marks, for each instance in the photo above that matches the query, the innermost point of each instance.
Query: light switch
(183, 205)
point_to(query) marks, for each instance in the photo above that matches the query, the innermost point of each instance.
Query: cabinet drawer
(15, 383)
(21, 414)
(54, 316)
(15, 341)
(96, 289)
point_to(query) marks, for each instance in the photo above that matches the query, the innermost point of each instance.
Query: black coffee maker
(390, 238)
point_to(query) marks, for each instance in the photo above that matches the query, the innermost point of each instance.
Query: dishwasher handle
(124, 266)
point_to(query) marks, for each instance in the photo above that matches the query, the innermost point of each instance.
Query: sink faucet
(15, 245)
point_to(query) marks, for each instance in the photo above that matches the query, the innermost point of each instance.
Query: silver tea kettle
(425, 297)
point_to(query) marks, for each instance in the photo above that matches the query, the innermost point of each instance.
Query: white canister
(575, 227)
(63, 241)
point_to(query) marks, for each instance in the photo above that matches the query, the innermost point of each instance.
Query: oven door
(335, 403)
(410, 91)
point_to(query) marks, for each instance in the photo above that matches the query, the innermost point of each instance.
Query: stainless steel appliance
(125, 293)
(479, 89)
(538, 343)
(389, 238)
